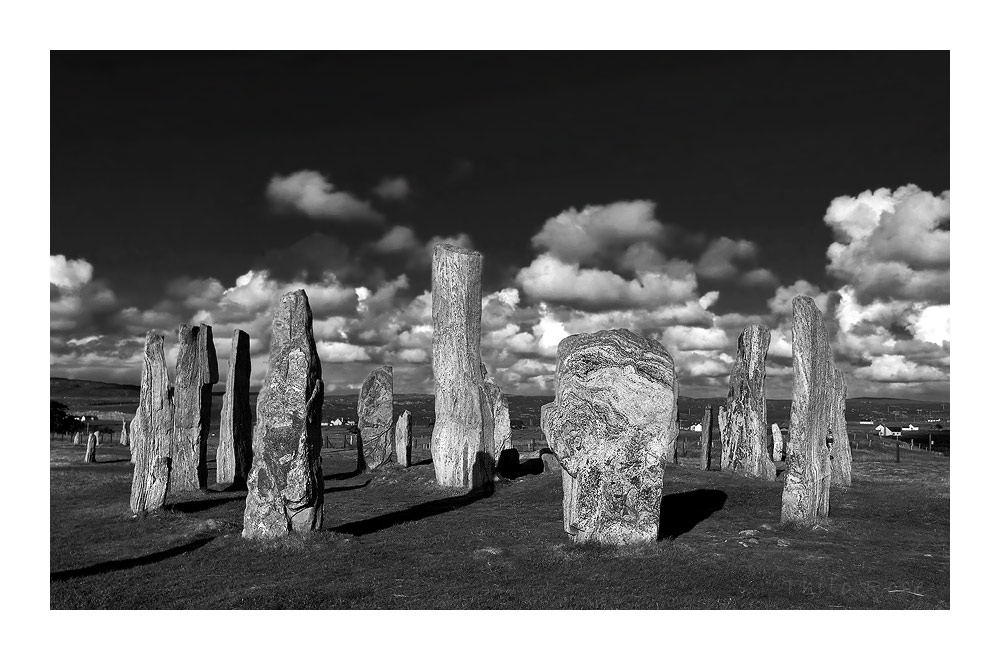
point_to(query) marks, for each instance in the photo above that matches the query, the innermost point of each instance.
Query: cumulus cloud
(69, 273)
(583, 237)
(897, 369)
(309, 193)
(393, 189)
(404, 242)
(728, 259)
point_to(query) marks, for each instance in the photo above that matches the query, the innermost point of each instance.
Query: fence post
(897, 451)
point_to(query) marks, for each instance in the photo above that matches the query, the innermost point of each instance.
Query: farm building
(695, 427)
(889, 431)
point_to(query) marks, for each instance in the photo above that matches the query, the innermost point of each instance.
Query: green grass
(396, 540)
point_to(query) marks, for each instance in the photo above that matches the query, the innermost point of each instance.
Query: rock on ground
(840, 449)
(806, 494)
(152, 430)
(197, 370)
(462, 439)
(404, 438)
(613, 421)
(375, 420)
(235, 452)
(285, 488)
(743, 426)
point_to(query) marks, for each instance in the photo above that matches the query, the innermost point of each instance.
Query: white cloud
(897, 369)
(310, 193)
(397, 239)
(583, 237)
(338, 351)
(69, 273)
(393, 188)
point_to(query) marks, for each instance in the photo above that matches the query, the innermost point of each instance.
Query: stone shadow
(341, 476)
(510, 466)
(414, 513)
(341, 489)
(123, 564)
(195, 506)
(681, 512)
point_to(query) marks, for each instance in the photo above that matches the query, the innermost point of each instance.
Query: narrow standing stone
(124, 438)
(743, 427)
(285, 488)
(404, 438)
(840, 450)
(611, 427)
(706, 439)
(778, 450)
(235, 452)
(76, 438)
(375, 420)
(197, 370)
(501, 416)
(463, 426)
(91, 455)
(152, 429)
(806, 494)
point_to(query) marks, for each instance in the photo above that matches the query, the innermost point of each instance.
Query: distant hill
(885, 400)
(69, 388)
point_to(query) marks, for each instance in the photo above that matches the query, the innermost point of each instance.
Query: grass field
(396, 540)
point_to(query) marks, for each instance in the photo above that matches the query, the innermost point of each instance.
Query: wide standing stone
(375, 420)
(806, 494)
(840, 450)
(706, 439)
(235, 452)
(462, 440)
(91, 455)
(778, 450)
(197, 370)
(501, 416)
(614, 417)
(404, 438)
(285, 488)
(152, 429)
(743, 427)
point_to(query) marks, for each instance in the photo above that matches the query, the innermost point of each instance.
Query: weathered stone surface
(285, 488)
(76, 438)
(124, 438)
(375, 420)
(91, 455)
(235, 452)
(806, 494)
(706, 439)
(611, 426)
(743, 426)
(501, 416)
(197, 370)
(840, 450)
(404, 438)
(152, 429)
(671, 455)
(778, 450)
(463, 437)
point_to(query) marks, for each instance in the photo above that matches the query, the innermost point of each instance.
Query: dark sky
(160, 160)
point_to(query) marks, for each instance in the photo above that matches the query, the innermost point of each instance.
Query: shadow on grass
(681, 512)
(341, 476)
(123, 564)
(414, 513)
(341, 489)
(509, 465)
(194, 506)
(426, 461)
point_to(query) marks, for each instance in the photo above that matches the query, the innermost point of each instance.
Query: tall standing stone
(235, 452)
(806, 494)
(197, 370)
(706, 439)
(463, 426)
(76, 438)
(840, 450)
(611, 426)
(124, 438)
(742, 425)
(375, 420)
(91, 455)
(502, 435)
(404, 438)
(778, 450)
(285, 488)
(152, 429)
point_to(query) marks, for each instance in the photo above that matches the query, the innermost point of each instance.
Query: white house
(911, 427)
(866, 421)
(889, 431)
(695, 427)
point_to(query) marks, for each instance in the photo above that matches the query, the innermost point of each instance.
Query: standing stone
(124, 438)
(778, 451)
(671, 455)
(152, 428)
(611, 426)
(806, 494)
(404, 438)
(462, 440)
(743, 427)
(197, 370)
(285, 488)
(375, 420)
(840, 450)
(76, 438)
(235, 452)
(501, 416)
(706, 439)
(91, 455)
(132, 426)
